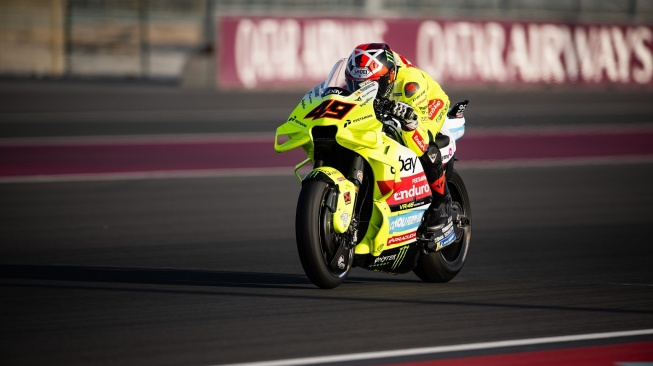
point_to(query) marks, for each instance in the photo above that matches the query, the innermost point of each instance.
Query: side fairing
(402, 195)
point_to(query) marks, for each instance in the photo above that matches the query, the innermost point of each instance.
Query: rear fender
(344, 205)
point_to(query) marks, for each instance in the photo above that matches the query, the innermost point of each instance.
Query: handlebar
(382, 105)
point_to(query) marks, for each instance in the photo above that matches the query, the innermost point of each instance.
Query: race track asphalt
(204, 271)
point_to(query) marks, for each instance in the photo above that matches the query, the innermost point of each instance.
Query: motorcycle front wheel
(325, 263)
(444, 265)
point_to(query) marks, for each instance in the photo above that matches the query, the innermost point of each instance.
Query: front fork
(355, 176)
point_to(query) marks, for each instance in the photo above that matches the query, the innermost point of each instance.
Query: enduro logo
(415, 191)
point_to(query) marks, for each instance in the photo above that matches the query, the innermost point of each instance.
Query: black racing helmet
(372, 61)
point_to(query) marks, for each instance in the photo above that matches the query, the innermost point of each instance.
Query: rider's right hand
(407, 114)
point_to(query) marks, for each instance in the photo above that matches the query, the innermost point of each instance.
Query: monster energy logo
(389, 55)
(400, 257)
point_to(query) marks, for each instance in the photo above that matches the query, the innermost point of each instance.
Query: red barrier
(282, 52)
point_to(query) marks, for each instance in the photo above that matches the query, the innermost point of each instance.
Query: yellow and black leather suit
(417, 89)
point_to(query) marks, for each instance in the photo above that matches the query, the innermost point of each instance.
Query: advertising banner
(291, 52)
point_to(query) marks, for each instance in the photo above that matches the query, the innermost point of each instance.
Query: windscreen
(336, 77)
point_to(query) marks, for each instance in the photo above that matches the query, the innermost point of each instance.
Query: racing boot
(439, 224)
(440, 214)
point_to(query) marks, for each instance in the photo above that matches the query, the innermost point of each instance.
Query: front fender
(344, 207)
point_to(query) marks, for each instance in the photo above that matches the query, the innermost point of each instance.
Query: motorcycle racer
(421, 105)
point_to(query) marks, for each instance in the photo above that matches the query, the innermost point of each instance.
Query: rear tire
(317, 243)
(444, 265)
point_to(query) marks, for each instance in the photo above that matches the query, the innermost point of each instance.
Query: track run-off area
(50, 159)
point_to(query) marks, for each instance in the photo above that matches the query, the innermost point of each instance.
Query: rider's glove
(407, 115)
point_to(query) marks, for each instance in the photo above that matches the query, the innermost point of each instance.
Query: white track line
(445, 349)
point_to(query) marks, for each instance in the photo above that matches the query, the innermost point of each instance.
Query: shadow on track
(158, 276)
(220, 279)
(151, 276)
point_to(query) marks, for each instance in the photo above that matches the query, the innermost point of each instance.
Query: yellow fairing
(346, 197)
(353, 115)
(357, 129)
(374, 241)
(296, 134)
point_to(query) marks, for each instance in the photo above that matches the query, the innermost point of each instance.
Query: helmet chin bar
(385, 82)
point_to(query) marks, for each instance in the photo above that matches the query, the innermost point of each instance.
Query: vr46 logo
(331, 109)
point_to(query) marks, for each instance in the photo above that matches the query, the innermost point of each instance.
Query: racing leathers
(416, 89)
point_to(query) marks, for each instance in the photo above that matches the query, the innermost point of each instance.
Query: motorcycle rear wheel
(444, 265)
(317, 243)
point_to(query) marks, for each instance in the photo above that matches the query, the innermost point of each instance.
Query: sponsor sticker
(446, 241)
(294, 119)
(344, 217)
(410, 89)
(347, 197)
(410, 221)
(330, 91)
(435, 105)
(416, 191)
(413, 188)
(359, 176)
(419, 140)
(402, 238)
(407, 165)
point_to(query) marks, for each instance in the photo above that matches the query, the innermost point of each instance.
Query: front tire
(317, 243)
(444, 265)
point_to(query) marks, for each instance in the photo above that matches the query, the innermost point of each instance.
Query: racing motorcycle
(364, 201)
